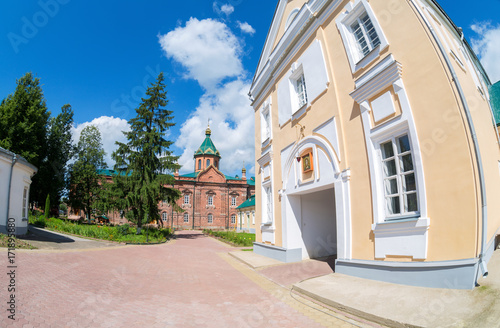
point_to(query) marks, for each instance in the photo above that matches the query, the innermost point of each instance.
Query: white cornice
(382, 75)
(271, 37)
(266, 158)
(308, 19)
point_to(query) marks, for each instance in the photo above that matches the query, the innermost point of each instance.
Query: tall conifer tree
(145, 159)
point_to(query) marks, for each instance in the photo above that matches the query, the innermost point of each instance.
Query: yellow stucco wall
(451, 176)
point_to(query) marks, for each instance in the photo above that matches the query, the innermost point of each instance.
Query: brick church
(209, 197)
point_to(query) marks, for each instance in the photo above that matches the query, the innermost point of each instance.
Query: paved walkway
(190, 282)
(407, 306)
(46, 239)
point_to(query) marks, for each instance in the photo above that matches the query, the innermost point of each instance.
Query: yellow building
(375, 142)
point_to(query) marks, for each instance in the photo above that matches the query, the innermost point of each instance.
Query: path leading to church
(190, 282)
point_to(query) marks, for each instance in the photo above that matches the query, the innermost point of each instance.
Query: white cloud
(246, 28)
(232, 125)
(487, 46)
(111, 131)
(227, 9)
(207, 49)
(210, 52)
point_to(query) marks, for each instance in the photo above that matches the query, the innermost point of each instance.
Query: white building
(15, 177)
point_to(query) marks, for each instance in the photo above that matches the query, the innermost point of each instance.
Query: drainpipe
(479, 163)
(14, 160)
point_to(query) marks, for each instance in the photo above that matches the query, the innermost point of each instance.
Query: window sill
(300, 112)
(368, 58)
(410, 224)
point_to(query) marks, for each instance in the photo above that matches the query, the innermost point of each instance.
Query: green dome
(207, 147)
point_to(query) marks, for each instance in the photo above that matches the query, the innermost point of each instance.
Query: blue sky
(99, 56)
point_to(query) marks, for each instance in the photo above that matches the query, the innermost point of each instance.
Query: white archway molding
(322, 175)
(327, 175)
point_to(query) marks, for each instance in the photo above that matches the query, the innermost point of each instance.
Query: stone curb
(351, 310)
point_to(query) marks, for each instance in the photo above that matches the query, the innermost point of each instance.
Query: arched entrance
(315, 201)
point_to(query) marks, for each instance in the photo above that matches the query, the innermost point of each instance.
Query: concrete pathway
(190, 282)
(406, 306)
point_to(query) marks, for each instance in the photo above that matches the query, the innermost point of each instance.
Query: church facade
(209, 197)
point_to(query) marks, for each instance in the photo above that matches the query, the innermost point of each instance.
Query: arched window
(233, 218)
(164, 216)
(210, 218)
(208, 162)
(291, 17)
(199, 164)
(186, 218)
(215, 163)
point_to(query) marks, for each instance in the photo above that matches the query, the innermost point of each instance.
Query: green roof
(495, 101)
(190, 175)
(110, 173)
(207, 147)
(248, 203)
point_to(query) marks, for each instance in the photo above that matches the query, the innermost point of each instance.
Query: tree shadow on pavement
(45, 236)
(189, 236)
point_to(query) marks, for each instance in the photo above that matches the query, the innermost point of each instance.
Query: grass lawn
(235, 238)
(123, 233)
(19, 244)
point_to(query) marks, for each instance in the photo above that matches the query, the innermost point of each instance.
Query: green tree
(145, 159)
(23, 126)
(85, 182)
(60, 149)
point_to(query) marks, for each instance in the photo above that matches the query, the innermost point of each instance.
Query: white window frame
(186, 199)
(233, 200)
(299, 97)
(210, 200)
(266, 125)
(233, 218)
(267, 204)
(210, 218)
(25, 204)
(401, 194)
(352, 13)
(164, 216)
(186, 217)
(253, 217)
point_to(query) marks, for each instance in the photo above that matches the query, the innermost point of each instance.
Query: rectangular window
(25, 203)
(186, 199)
(210, 200)
(267, 124)
(269, 206)
(365, 34)
(233, 201)
(210, 218)
(400, 187)
(164, 216)
(186, 218)
(300, 89)
(233, 218)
